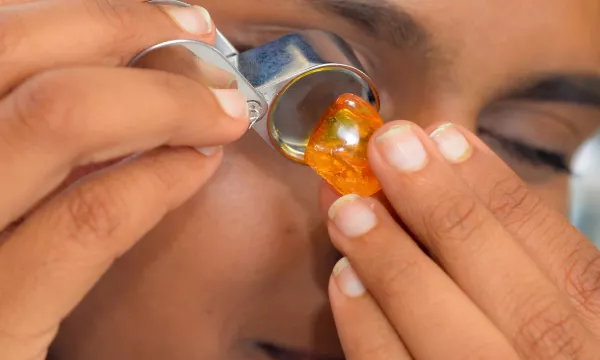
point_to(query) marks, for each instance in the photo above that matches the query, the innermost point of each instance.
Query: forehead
(490, 23)
(498, 38)
(469, 46)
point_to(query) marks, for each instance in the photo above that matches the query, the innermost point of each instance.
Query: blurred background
(585, 189)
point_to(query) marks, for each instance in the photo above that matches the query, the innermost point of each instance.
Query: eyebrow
(574, 89)
(393, 24)
(379, 18)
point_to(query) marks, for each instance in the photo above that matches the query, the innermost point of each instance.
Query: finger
(416, 296)
(73, 117)
(471, 245)
(13, 2)
(180, 60)
(50, 262)
(59, 33)
(364, 331)
(73, 176)
(565, 255)
(328, 195)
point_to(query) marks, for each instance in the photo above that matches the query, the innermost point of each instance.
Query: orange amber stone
(337, 149)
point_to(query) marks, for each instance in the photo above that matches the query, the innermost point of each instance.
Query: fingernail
(233, 102)
(402, 149)
(208, 151)
(352, 216)
(233, 84)
(216, 77)
(193, 19)
(346, 279)
(451, 143)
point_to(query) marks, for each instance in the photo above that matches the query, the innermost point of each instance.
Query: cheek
(257, 224)
(256, 213)
(250, 246)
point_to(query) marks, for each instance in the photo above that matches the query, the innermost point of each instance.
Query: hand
(67, 102)
(504, 276)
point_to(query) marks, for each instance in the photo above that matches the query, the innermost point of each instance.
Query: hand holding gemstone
(337, 149)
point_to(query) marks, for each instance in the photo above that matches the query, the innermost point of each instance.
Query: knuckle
(582, 279)
(511, 201)
(93, 213)
(456, 217)
(549, 332)
(45, 104)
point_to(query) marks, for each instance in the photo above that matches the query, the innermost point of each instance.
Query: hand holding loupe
(289, 82)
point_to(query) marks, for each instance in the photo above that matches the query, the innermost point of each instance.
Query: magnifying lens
(289, 82)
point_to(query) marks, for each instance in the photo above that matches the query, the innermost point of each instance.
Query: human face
(239, 272)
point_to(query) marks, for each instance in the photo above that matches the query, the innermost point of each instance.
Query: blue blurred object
(585, 189)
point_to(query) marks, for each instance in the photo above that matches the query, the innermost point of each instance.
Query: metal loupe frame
(266, 73)
(257, 104)
(275, 68)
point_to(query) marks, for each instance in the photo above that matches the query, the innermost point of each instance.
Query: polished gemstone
(337, 149)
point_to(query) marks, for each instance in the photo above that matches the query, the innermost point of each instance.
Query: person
(227, 252)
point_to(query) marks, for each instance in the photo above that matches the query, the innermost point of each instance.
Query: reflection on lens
(299, 106)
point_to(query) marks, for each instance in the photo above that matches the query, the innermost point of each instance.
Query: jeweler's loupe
(289, 82)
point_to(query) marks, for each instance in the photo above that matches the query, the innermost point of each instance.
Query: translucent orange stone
(337, 149)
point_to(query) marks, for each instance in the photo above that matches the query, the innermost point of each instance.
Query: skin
(247, 258)
(538, 305)
(272, 255)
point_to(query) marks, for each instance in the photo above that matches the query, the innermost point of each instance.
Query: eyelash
(523, 151)
(276, 353)
(531, 154)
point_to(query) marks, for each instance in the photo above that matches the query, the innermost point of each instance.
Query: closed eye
(533, 155)
(276, 352)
